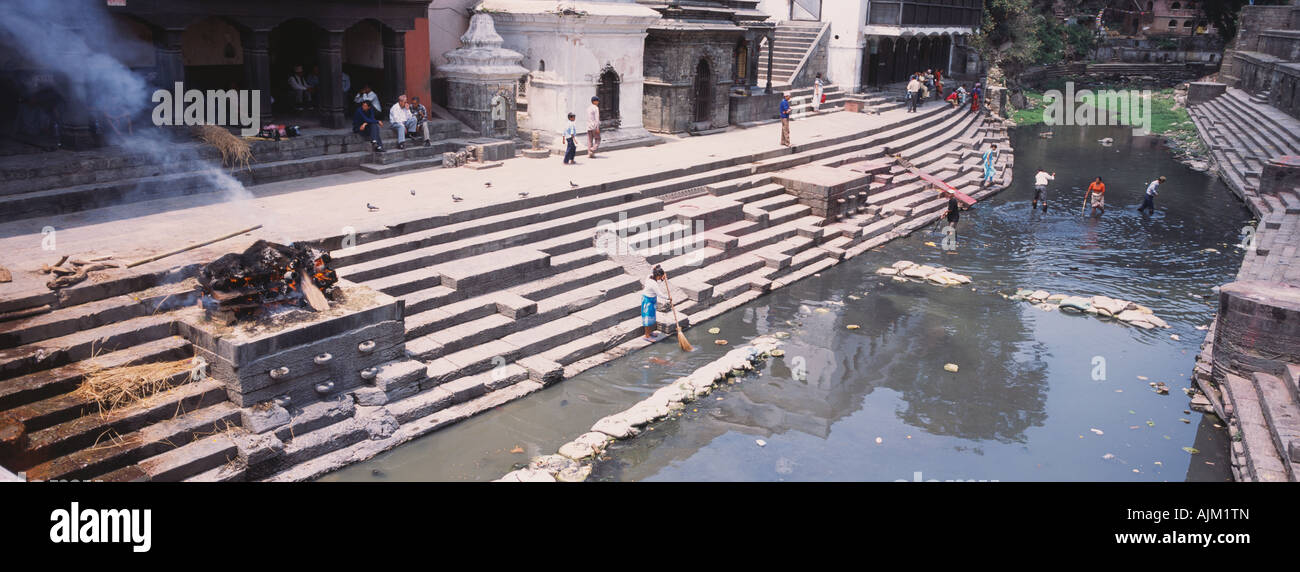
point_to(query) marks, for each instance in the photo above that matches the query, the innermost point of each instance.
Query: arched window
(1187, 23)
(607, 91)
(703, 91)
(1173, 23)
(541, 65)
(1175, 6)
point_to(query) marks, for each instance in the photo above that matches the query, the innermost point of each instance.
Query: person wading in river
(650, 293)
(954, 210)
(1149, 201)
(1096, 192)
(1041, 178)
(990, 157)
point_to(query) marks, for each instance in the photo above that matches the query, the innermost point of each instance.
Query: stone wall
(1203, 91)
(1251, 23)
(671, 60)
(1158, 73)
(745, 109)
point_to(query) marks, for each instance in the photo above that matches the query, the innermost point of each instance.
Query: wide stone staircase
(499, 302)
(1243, 135)
(170, 166)
(1259, 398)
(793, 42)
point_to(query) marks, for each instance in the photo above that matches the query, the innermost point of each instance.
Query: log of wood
(192, 246)
(315, 297)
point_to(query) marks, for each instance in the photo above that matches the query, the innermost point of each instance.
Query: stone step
(568, 281)
(93, 314)
(115, 452)
(490, 220)
(45, 441)
(776, 202)
(48, 383)
(1283, 416)
(207, 454)
(417, 256)
(1247, 126)
(787, 214)
(80, 345)
(1264, 460)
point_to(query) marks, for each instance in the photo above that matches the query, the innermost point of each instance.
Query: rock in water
(886, 271)
(952, 367)
(903, 265)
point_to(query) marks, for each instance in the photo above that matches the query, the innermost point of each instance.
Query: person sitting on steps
(365, 123)
(404, 122)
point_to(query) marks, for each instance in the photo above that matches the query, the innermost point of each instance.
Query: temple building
(573, 51)
(872, 43)
(694, 56)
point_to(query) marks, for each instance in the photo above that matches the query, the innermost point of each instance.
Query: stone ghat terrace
(1249, 367)
(497, 295)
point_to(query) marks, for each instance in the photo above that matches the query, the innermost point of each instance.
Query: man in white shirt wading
(1149, 201)
(404, 121)
(1040, 188)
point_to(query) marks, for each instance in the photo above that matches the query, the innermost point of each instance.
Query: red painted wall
(417, 60)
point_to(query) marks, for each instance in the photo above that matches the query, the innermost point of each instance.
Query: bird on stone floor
(456, 198)
(487, 184)
(572, 184)
(372, 207)
(521, 195)
(413, 192)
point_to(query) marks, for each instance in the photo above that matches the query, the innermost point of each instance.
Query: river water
(1038, 395)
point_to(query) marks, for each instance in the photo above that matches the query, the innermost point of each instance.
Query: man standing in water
(988, 159)
(1096, 192)
(954, 210)
(1041, 179)
(1149, 201)
(651, 291)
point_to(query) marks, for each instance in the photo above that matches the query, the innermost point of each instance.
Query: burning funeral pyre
(266, 277)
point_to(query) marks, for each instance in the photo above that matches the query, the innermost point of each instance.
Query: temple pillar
(257, 67)
(329, 56)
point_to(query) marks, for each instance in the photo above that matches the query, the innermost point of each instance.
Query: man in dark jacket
(364, 122)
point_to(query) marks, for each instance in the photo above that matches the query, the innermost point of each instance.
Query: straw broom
(681, 338)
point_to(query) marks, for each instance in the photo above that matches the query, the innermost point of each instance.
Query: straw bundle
(234, 151)
(118, 387)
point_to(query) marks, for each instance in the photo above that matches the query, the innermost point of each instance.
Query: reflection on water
(1038, 395)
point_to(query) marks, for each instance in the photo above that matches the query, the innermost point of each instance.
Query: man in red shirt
(1096, 194)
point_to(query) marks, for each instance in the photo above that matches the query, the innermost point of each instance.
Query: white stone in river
(575, 473)
(919, 271)
(1039, 295)
(760, 442)
(903, 265)
(886, 271)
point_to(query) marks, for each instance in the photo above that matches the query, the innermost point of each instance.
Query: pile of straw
(121, 386)
(234, 151)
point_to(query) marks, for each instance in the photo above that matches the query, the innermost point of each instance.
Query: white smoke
(75, 41)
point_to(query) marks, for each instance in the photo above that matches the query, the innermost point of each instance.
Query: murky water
(1038, 396)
